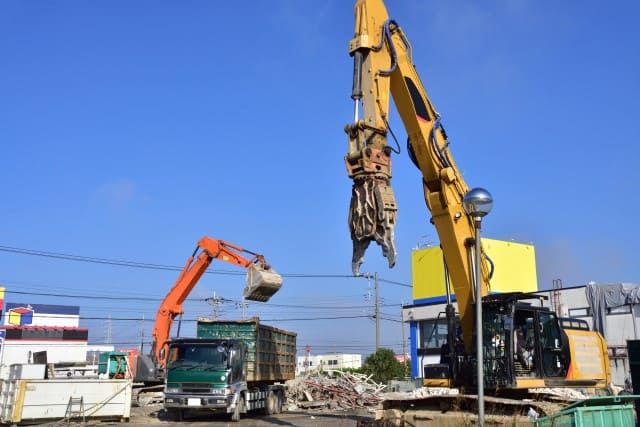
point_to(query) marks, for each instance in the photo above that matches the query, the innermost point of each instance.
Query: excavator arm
(383, 65)
(262, 283)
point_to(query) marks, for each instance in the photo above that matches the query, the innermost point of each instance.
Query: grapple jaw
(373, 210)
(372, 217)
(261, 283)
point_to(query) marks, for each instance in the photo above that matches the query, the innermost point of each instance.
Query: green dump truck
(231, 367)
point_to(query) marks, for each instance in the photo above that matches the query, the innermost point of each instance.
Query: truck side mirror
(233, 355)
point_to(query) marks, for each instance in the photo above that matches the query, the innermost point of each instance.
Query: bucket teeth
(372, 217)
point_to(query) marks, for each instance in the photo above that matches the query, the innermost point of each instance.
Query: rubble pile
(334, 390)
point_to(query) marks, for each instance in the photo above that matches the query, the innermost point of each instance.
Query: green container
(595, 412)
(271, 352)
(114, 363)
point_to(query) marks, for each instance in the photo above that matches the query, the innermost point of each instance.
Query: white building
(41, 333)
(62, 345)
(325, 362)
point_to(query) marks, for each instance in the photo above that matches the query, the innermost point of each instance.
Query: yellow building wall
(514, 269)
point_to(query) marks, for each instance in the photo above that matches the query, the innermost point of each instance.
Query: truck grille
(196, 388)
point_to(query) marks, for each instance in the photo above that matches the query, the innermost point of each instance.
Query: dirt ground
(153, 415)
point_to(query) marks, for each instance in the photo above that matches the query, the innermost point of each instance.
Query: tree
(383, 366)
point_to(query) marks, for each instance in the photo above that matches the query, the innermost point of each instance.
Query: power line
(391, 282)
(137, 319)
(84, 296)
(318, 348)
(95, 260)
(136, 264)
(113, 298)
(152, 266)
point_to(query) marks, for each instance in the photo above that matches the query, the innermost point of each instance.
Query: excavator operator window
(524, 343)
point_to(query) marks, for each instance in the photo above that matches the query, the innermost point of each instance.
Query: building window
(579, 312)
(623, 309)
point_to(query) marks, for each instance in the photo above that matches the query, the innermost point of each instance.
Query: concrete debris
(560, 392)
(435, 391)
(422, 392)
(153, 398)
(334, 390)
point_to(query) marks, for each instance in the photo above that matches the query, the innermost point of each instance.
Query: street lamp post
(477, 204)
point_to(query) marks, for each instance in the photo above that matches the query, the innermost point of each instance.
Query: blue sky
(131, 129)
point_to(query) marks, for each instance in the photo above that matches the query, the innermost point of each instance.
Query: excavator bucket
(261, 283)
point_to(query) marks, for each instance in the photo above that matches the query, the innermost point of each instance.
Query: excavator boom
(262, 282)
(383, 66)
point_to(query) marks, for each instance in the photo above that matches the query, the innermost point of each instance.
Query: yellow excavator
(525, 345)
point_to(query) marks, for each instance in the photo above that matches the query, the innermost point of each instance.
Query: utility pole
(142, 334)
(215, 301)
(215, 306)
(242, 305)
(404, 342)
(377, 302)
(367, 296)
(107, 338)
(375, 276)
(307, 351)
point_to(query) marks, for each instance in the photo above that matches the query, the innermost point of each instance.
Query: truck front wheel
(175, 414)
(271, 406)
(235, 416)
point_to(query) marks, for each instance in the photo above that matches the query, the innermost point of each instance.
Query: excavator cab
(262, 283)
(524, 344)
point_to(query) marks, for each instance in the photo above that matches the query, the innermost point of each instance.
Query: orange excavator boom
(262, 283)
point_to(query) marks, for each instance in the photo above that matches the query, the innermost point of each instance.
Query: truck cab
(205, 374)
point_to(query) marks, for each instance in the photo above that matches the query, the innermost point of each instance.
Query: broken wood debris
(335, 390)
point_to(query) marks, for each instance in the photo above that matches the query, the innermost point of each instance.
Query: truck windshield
(197, 356)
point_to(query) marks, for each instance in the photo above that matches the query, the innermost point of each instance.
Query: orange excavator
(262, 282)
